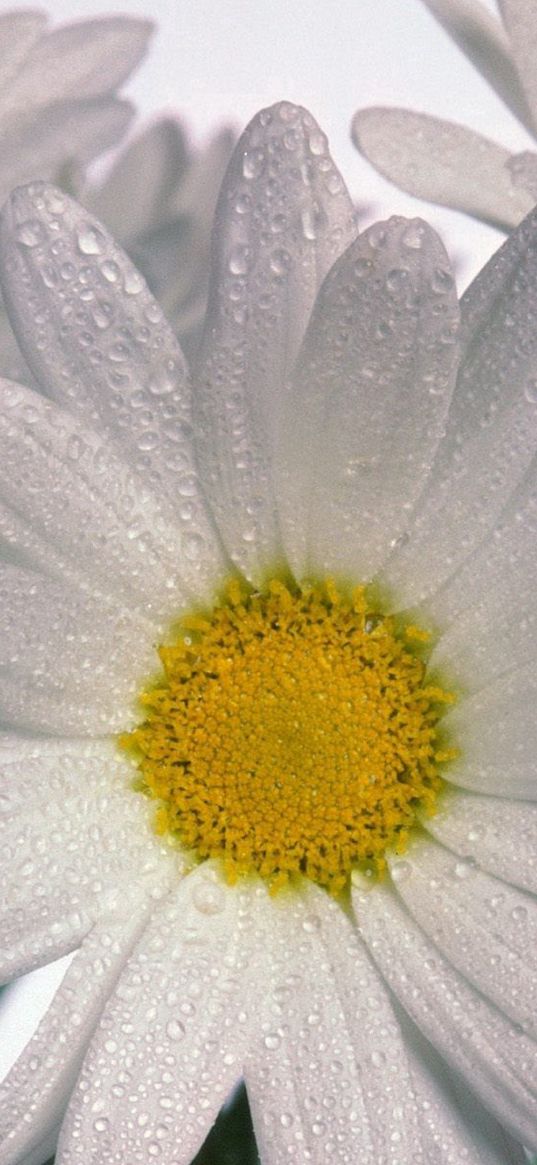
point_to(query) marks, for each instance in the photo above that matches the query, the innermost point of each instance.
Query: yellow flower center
(294, 733)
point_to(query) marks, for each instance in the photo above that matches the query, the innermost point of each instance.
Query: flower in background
(341, 427)
(447, 163)
(158, 201)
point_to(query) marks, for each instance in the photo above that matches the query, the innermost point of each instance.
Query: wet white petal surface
(36, 1092)
(282, 219)
(520, 20)
(173, 1036)
(499, 835)
(491, 1054)
(101, 348)
(327, 1075)
(370, 394)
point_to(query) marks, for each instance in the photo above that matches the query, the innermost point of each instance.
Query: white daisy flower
(448, 163)
(219, 871)
(58, 103)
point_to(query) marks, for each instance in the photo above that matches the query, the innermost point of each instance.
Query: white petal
(328, 1076)
(487, 608)
(103, 350)
(491, 431)
(367, 409)
(35, 1093)
(442, 162)
(142, 180)
(185, 1006)
(282, 218)
(495, 731)
(69, 664)
(500, 835)
(454, 1125)
(66, 863)
(483, 40)
(104, 527)
(85, 59)
(18, 32)
(34, 771)
(520, 19)
(485, 928)
(492, 1055)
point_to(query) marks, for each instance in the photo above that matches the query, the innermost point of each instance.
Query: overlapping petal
(494, 833)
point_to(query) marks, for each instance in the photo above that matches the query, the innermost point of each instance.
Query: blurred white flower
(448, 163)
(341, 424)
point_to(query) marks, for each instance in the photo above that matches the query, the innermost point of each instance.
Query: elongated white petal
(84, 59)
(483, 40)
(35, 771)
(185, 1003)
(496, 733)
(523, 170)
(72, 491)
(491, 1054)
(491, 432)
(442, 162)
(35, 1094)
(282, 218)
(69, 664)
(68, 863)
(499, 835)
(520, 20)
(487, 929)
(454, 1125)
(103, 350)
(328, 1076)
(370, 395)
(18, 32)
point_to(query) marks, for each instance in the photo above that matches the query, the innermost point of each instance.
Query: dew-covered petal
(18, 32)
(485, 928)
(442, 162)
(144, 176)
(454, 1125)
(97, 342)
(491, 431)
(328, 1027)
(482, 39)
(371, 390)
(34, 1095)
(486, 610)
(69, 663)
(495, 732)
(282, 218)
(67, 862)
(497, 834)
(81, 60)
(492, 1055)
(45, 770)
(66, 488)
(185, 1004)
(520, 20)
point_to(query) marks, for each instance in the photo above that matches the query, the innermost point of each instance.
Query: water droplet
(208, 898)
(286, 1120)
(272, 1041)
(132, 281)
(401, 871)
(31, 233)
(101, 1125)
(110, 270)
(175, 1030)
(441, 281)
(530, 391)
(397, 279)
(413, 237)
(90, 240)
(239, 260)
(253, 163)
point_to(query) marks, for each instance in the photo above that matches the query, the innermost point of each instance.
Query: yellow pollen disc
(294, 733)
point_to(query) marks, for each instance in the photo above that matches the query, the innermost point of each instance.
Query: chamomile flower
(269, 640)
